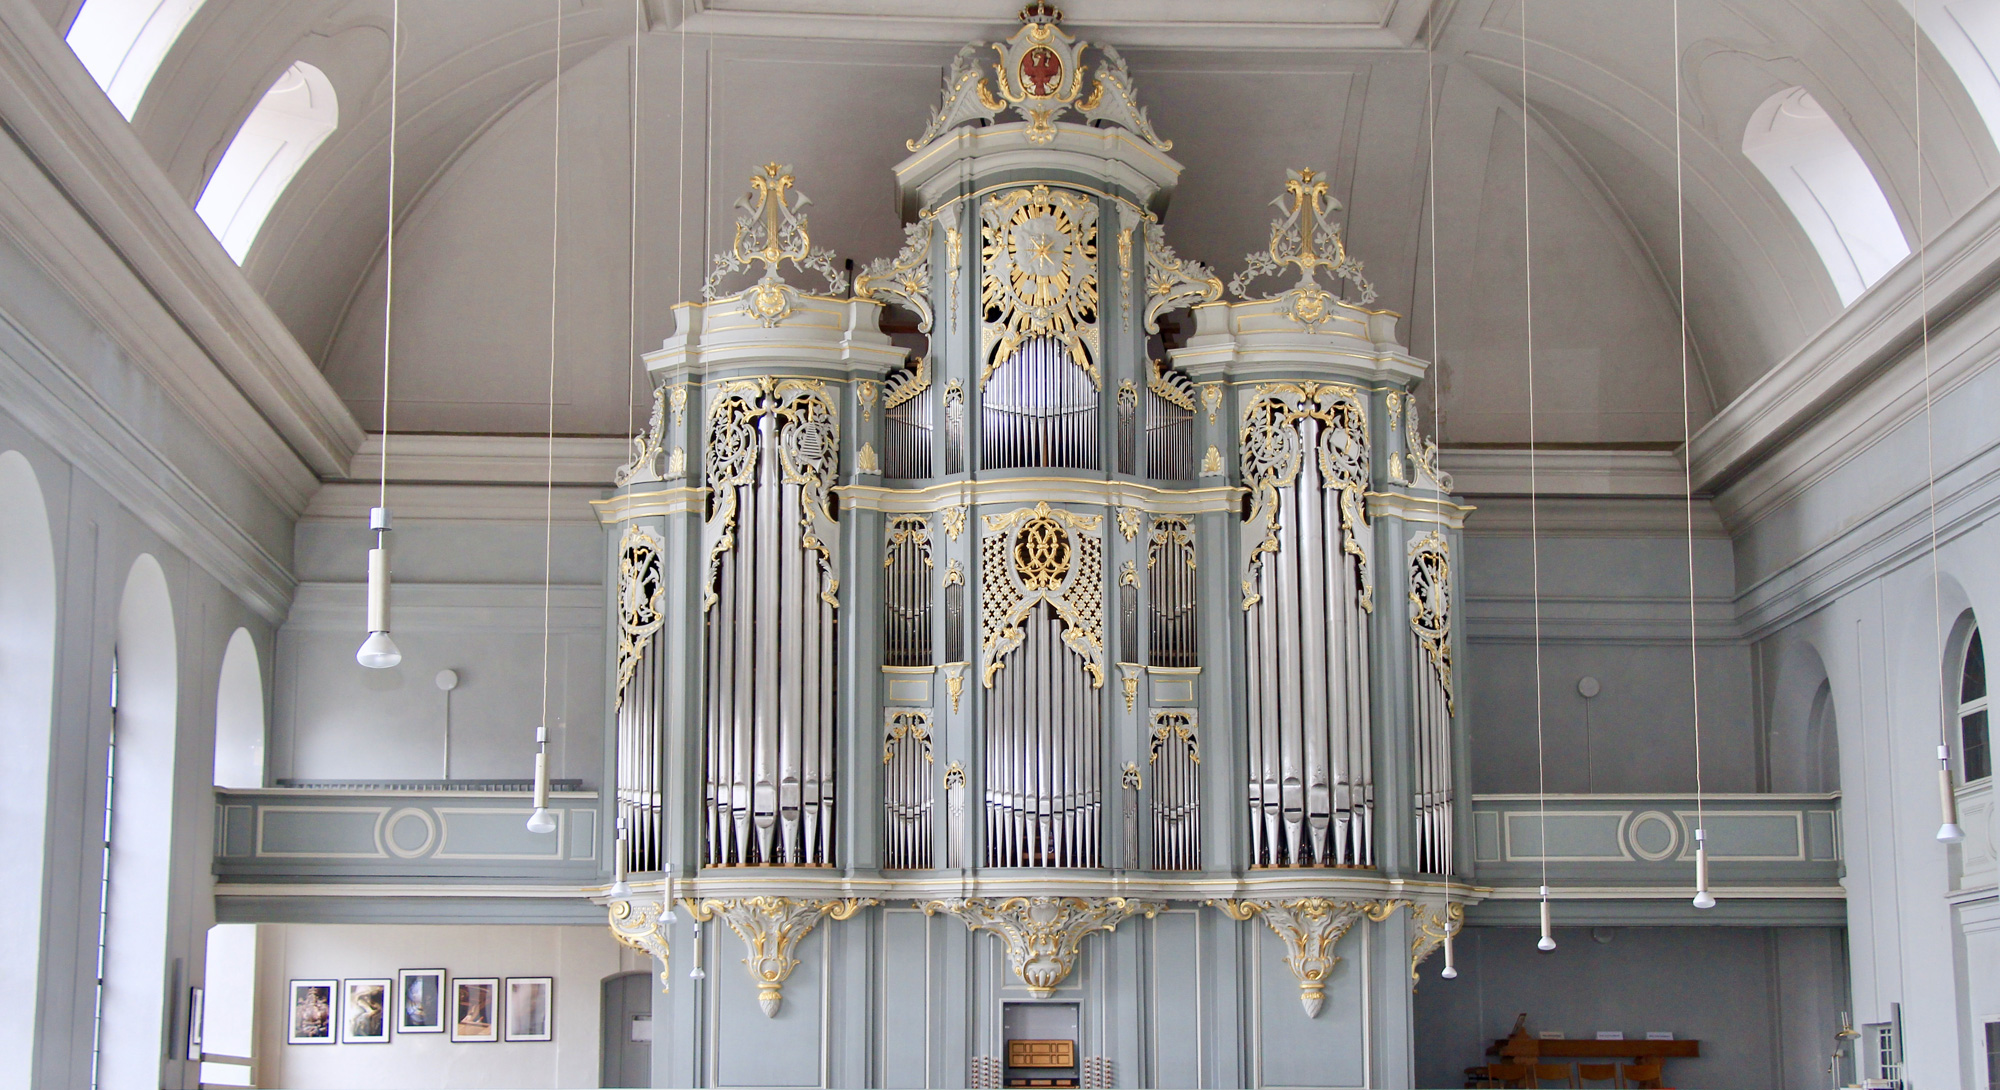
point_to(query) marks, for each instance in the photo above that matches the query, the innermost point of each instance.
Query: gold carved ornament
(865, 460)
(1310, 928)
(1434, 922)
(641, 598)
(808, 447)
(1423, 454)
(1040, 275)
(906, 383)
(1173, 725)
(1043, 935)
(771, 929)
(1039, 73)
(954, 679)
(906, 725)
(953, 521)
(912, 530)
(1430, 606)
(1170, 386)
(642, 927)
(1041, 554)
(771, 229)
(1302, 235)
(1128, 522)
(864, 396)
(1273, 452)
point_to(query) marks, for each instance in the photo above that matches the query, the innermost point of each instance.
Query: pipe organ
(1138, 621)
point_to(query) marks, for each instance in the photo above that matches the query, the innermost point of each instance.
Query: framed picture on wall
(475, 1003)
(364, 1012)
(420, 1001)
(529, 999)
(311, 1019)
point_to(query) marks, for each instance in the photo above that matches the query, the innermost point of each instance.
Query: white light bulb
(541, 821)
(1704, 899)
(1951, 833)
(619, 890)
(379, 652)
(698, 973)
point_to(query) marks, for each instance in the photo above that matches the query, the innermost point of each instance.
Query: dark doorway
(628, 1030)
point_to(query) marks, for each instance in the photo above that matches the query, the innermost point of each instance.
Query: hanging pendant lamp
(379, 650)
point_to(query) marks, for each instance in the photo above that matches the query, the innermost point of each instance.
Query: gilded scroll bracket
(643, 927)
(1043, 935)
(771, 929)
(1310, 928)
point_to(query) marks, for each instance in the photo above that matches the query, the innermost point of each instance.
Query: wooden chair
(1640, 1075)
(1562, 1075)
(1596, 1073)
(1513, 1076)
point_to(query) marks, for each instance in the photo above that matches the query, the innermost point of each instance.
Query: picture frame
(311, 1012)
(530, 1008)
(364, 1011)
(475, 1007)
(420, 1001)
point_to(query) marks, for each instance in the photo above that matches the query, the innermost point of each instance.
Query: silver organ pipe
(1128, 612)
(1169, 425)
(907, 792)
(1176, 777)
(1038, 409)
(770, 611)
(954, 427)
(1305, 609)
(1430, 665)
(907, 592)
(1042, 669)
(1170, 573)
(908, 431)
(641, 594)
(1128, 426)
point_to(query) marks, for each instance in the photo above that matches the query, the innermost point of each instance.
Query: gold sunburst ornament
(1040, 279)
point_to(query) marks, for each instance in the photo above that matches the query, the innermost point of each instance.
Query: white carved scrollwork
(906, 278)
(1172, 283)
(1433, 923)
(1043, 934)
(1430, 605)
(808, 448)
(648, 445)
(641, 594)
(771, 929)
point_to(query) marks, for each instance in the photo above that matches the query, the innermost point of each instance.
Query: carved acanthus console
(1310, 928)
(771, 929)
(643, 928)
(1043, 934)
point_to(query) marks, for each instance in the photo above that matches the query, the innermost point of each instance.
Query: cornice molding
(1481, 471)
(1376, 24)
(351, 501)
(1593, 517)
(490, 459)
(1962, 265)
(77, 139)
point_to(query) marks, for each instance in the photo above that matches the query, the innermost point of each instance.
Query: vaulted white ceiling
(1246, 90)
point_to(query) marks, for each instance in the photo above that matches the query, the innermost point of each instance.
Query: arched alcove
(27, 677)
(281, 133)
(1806, 157)
(1801, 718)
(122, 42)
(239, 715)
(1823, 742)
(139, 778)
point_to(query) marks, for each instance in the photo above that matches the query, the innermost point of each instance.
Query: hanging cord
(1949, 831)
(389, 245)
(1437, 362)
(1702, 897)
(680, 165)
(549, 490)
(1548, 941)
(632, 243)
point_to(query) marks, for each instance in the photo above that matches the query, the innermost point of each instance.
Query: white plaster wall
(579, 958)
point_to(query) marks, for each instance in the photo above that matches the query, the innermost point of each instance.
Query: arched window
(295, 115)
(122, 42)
(239, 715)
(1968, 35)
(1975, 749)
(1828, 187)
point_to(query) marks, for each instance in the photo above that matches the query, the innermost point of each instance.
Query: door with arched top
(628, 1030)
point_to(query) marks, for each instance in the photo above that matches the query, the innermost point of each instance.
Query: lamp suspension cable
(1949, 831)
(1548, 939)
(632, 424)
(1703, 898)
(1450, 971)
(379, 650)
(541, 821)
